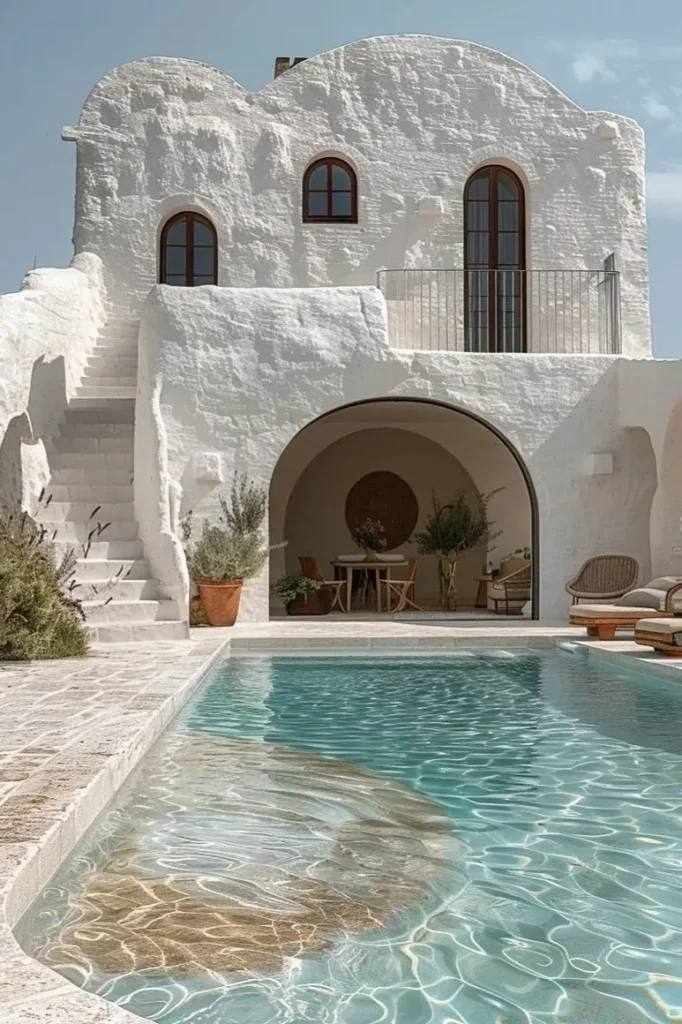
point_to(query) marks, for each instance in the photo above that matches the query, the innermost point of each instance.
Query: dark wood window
(189, 251)
(330, 193)
(495, 262)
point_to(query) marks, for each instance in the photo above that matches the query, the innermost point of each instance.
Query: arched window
(330, 192)
(189, 251)
(494, 261)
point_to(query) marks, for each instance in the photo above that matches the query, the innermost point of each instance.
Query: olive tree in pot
(302, 595)
(229, 551)
(448, 531)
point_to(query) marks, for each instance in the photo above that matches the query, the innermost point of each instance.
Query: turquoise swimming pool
(484, 838)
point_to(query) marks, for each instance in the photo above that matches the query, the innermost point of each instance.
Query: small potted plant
(229, 551)
(370, 536)
(302, 595)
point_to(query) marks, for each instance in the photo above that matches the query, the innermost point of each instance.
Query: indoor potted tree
(229, 551)
(448, 531)
(302, 595)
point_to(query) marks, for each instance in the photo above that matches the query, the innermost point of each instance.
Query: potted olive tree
(229, 551)
(448, 531)
(302, 595)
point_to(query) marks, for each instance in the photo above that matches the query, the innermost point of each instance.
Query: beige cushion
(664, 582)
(609, 611)
(644, 597)
(665, 627)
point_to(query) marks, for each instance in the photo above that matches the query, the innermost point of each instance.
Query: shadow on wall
(24, 466)
(585, 514)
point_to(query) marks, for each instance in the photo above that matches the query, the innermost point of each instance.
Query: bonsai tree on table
(448, 531)
(228, 552)
(370, 535)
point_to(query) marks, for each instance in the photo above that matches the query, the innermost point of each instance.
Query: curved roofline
(300, 69)
(113, 72)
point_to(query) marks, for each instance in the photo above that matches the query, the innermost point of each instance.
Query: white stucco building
(408, 255)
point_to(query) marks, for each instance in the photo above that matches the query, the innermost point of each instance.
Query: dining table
(379, 568)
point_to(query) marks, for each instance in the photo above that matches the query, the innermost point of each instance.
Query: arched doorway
(432, 447)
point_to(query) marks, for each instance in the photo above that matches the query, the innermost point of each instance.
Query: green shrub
(39, 617)
(294, 587)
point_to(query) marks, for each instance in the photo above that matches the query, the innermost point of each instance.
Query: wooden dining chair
(403, 589)
(310, 568)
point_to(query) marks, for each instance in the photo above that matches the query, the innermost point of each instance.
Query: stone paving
(71, 731)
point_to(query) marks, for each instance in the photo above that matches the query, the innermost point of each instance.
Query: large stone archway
(432, 448)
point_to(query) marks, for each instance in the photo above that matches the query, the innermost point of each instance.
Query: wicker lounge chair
(513, 591)
(603, 578)
(652, 601)
(664, 634)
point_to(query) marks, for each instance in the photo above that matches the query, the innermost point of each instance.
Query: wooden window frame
(190, 218)
(330, 162)
(492, 171)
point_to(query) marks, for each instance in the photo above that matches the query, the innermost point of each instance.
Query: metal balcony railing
(563, 311)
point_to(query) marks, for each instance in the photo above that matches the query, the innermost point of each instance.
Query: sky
(619, 55)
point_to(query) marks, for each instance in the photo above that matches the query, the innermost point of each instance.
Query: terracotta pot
(318, 603)
(220, 601)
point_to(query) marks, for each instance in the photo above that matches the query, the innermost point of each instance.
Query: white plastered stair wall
(92, 469)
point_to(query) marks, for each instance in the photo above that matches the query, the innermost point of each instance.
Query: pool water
(483, 838)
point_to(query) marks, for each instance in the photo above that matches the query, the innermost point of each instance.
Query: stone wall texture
(414, 115)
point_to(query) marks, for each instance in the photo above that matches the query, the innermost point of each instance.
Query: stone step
(90, 476)
(102, 403)
(96, 568)
(93, 494)
(111, 366)
(94, 460)
(74, 428)
(70, 534)
(109, 414)
(86, 512)
(87, 391)
(111, 444)
(100, 612)
(138, 632)
(119, 329)
(120, 351)
(118, 588)
(102, 550)
(96, 379)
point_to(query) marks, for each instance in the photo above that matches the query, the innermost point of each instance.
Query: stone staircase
(89, 503)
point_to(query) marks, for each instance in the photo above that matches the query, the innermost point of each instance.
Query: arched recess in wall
(495, 261)
(487, 458)
(188, 254)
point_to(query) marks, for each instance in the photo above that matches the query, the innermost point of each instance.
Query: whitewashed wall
(46, 333)
(415, 115)
(239, 372)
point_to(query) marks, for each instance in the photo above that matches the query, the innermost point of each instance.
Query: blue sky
(621, 55)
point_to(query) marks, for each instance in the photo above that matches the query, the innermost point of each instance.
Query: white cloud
(664, 193)
(656, 109)
(590, 67)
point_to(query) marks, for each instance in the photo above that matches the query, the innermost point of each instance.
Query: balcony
(569, 312)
